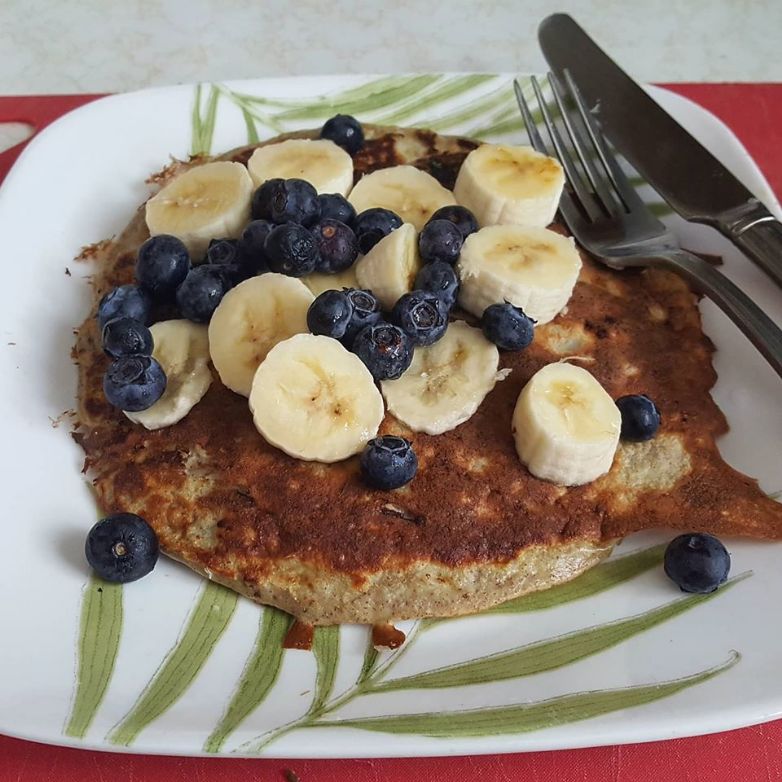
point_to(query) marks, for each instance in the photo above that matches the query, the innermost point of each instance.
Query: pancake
(473, 528)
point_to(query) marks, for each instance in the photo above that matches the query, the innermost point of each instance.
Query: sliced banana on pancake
(409, 192)
(327, 167)
(315, 400)
(446, 382)
(205, 202)
(566, 426)
(510, 185)
(389, 269)
(532, 268)
(318, 283)
(250, 320)
(182, 349)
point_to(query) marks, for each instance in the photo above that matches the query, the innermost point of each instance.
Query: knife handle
(757, 233)
(761, 331)
(762, 242)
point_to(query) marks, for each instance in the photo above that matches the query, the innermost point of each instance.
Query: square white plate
(152, 667)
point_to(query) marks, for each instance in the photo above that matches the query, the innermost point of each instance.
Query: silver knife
(677, 166)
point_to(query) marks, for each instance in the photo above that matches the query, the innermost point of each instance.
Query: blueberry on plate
(122, 548)
(134, 383)
(337, 245)
(441, 279)
(640, 417)
(460, 216)
(202, 290)
(507, 326)
(252, 254)
(286, 201)
(291, 249)
(697, 562)
(385, 350)
(126, 337)
(440, 240)
(127, 301)
(372, 225)
(330, 314)
(388, 462)
(336, 207)
(366, 312)
(344, 130)
(163, 262)
(422, 316)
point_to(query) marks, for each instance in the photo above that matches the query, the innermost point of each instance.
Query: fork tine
(584, 149)
(535, 139)
(577, 184)
(617, 177)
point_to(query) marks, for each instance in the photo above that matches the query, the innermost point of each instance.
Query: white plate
(79, 182)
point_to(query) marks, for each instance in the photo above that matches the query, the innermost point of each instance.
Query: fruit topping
(640, 417)
(126, 337)
(388, 462)
(345, 131)
(507, 326)
(134, 383)
(697, 562)
(122, 548)
(385, 350)
(291, 249)
(163, 262)
(440, 240)
(422, 316)
(337, 245)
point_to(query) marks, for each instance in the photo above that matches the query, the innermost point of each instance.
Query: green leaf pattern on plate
(325, 647)
(100, 629)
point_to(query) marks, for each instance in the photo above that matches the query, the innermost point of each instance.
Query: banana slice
(532, 268)
(446, 382)
(413, 194)
(315, 400)
(206, 202)
(327, 167)
(182, 349)
(389, 269)
(318, 283)
(566, 426)
(250, 320)
(510, 185)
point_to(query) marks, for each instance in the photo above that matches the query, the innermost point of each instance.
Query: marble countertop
(51, 46)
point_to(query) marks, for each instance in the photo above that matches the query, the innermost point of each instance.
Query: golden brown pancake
(473, 528)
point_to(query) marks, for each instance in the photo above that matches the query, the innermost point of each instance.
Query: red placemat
(754, 113)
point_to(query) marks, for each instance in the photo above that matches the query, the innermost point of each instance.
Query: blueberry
(440, 279)
(251, 247)
(507, 326)
(336, 207)
(696, 562)
(134, 383)
(366, 312)
(330, 314)
(291, 249)
(127, 301)
(337, 245)
(422, 316)
(163, 262)
(200, 293)
(126, 337)
(225, 259)
(440, 240)
(122, 548)
(344, 130)
(286, 201)
(388, 462)
(640, 417)
(460, 216)
(385, 350)
(372, 225)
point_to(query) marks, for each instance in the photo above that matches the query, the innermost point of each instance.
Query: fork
(612, 223)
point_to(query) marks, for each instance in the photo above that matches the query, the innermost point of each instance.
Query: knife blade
(674, 163)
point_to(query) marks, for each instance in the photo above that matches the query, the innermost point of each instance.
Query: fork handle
(761, 331)
(762, 242)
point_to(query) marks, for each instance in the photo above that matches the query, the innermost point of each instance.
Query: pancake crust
(474, 528)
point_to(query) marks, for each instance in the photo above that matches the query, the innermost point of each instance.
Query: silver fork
(612, 223)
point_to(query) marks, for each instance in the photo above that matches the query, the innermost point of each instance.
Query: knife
(677, 166)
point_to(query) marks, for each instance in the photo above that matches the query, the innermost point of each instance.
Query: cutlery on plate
(677, 166)
(614, 225)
